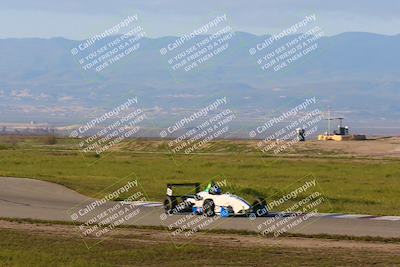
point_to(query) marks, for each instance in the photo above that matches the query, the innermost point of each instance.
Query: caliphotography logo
(119, 204)
(298, 207)
(115, 43)
(198, 131)
(109, 130)
(281, 134)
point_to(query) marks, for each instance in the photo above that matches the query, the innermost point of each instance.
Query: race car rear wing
(171, 186)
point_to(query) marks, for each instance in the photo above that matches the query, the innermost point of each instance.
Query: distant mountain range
(356, 74)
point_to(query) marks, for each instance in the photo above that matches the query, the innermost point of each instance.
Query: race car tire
(260, 207)
(209, 207)
(169, 204)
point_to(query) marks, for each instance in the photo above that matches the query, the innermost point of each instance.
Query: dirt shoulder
(206, 239)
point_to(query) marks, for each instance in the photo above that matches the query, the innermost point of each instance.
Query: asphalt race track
(34, 199)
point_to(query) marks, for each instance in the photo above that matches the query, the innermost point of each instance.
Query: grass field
(351, 184)
(25, 244)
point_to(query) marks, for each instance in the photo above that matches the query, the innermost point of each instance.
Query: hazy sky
(79, 19)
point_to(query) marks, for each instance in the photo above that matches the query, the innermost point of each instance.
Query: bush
(50, 140)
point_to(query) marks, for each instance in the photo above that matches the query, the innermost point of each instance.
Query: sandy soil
(372, 147)
(387, 147)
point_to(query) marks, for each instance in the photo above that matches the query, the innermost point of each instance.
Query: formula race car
(211, 201)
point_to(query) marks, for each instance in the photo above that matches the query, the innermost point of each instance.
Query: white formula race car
(211, 201)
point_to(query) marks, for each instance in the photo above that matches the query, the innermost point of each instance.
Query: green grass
(23, 248)
(352, 185)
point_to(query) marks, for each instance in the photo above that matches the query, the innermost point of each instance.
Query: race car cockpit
(213, 189)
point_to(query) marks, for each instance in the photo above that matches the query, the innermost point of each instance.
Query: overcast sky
(80, 19)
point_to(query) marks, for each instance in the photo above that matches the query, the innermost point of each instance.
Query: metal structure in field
(341, 134)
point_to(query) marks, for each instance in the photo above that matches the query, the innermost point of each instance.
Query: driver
(213, 188)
